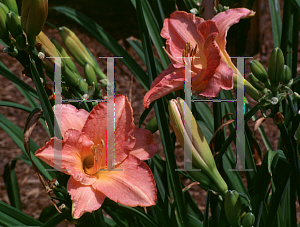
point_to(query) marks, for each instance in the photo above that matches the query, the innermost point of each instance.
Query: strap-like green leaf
(276, 21)
(46, 106)
(15, 217)
(160, 112)
(106, 40)
(16, 105)
(154, 31)
(11, 184)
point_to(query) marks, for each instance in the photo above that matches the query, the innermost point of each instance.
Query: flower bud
(233, 208)
(4, 34)
(75, 47)
(196, 144)
(91, 78)
(248, 220)
(78, 51)
(33, 17)
(204, 181)
(255, 82)
(43, 42)
(67, 60)
(11, 5)
(259, 71)
(275, 67)
(286, 75)
(14, 24)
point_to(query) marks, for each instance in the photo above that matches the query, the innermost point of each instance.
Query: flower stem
(250, 90)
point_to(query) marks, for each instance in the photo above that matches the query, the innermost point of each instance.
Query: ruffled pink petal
(84, 198)
(135, 186)
(171, 79)
(221, 79)
(71, 117)
(218, 75)
(179, 29)
(145, 146)
(96, 124)
(75, 147)
(224, 21)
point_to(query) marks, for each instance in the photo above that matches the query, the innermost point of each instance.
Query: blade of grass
(138, 213)
(254, 118)
(296, 4)
(17, 217)
(137, 46)
(106, 40)
(99, 218)
(159, 12)
(206, 211)
(160, 112)
(295, 38)
(46, 106)
(206, 113)
(57, 218)
(276, 21)
(11, 184)
(154, 31)
(281, 177)
(16, 105)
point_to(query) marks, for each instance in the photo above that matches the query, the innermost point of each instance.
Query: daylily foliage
(203, 42)
(84, 157)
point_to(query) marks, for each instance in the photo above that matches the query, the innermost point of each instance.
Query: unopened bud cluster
(275, 85)
(25, 34)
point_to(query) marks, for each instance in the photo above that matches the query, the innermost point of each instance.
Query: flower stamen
(91, 163)
(189, 53)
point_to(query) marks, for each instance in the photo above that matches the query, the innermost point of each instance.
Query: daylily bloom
(203, 43)
(84, 157)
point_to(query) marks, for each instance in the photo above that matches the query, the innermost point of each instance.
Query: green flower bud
(233, 208)
(259, 72)
(78, 51)
(83, 86)
(286, 75)
(14, 24)
(67, 60)
(4, 34)
(201, 154)
(11, 5)
(71, 77)
(91, 78)
(43, 42)
(75, 47)
(275, 67)
(248, 220)
(255, 82)
(33, 16)
(204, 180)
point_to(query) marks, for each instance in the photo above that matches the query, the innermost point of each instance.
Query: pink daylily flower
(83, 155)
(203, 42)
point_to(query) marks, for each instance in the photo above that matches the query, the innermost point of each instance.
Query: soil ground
(33, 197)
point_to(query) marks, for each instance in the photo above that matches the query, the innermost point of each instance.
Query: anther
(95, 152)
